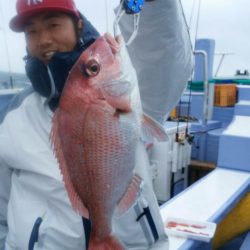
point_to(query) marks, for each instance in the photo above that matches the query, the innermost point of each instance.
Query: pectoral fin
(152, 129)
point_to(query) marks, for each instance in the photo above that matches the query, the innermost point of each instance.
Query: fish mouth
(117, 89)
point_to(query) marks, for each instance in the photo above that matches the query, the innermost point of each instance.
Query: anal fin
(130, 196)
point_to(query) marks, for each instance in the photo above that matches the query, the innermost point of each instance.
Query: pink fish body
(95, 132)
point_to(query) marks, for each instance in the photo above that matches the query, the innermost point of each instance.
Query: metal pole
(206, 92)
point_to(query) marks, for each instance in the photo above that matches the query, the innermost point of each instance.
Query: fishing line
(107, 18)
(119, 15)
(197, 21)
(192, 49)
(186, 24)
(192, 14)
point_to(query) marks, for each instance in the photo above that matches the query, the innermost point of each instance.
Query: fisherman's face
(50, 32)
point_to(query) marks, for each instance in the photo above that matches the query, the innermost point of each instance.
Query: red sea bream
(95, 131)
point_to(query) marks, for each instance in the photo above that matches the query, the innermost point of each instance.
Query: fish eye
(92, 68)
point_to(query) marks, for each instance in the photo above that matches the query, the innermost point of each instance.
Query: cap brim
(17, 23)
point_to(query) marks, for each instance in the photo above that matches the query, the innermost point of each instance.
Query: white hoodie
(31, 187)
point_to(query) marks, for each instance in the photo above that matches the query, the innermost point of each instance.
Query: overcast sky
(225, 21)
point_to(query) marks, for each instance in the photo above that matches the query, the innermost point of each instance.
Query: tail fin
(108, 243)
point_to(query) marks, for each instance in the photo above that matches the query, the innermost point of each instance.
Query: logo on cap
(34, 2)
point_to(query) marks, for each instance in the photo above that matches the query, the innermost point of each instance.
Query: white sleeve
(5, 182)
(161, 54)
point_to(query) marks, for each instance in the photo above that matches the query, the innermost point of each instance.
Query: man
(35, 212)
